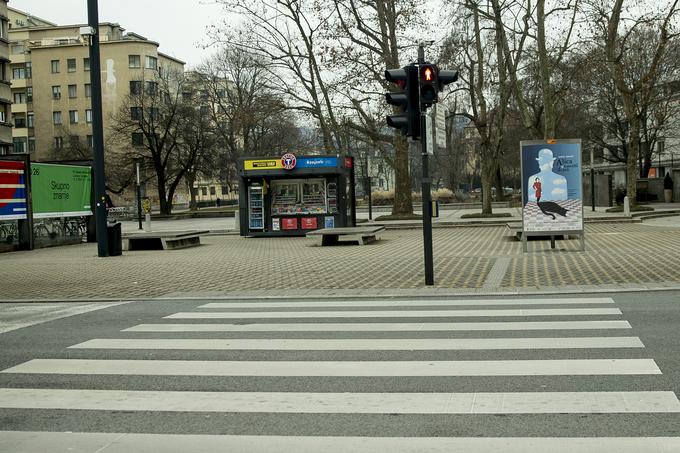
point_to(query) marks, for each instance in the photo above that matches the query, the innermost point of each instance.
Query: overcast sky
(179, 26)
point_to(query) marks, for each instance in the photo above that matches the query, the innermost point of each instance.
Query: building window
(29, 70)
(88, 116)
(18, 49)
(74, 142)
(30, 121)
(55, 66)
(56, 118)
(19, 145)
(212, 190)
(29, 94)
(153, 113)
(135, 113)
(31, 145)
(134, 61)
(88, 90)
(86, 64)
(73, 116)
(19, 122)
(18, 73)
(204, 191)
(90, 141)
(19, 97)
(58, 142)
(137, 139)
(56, 92)
(71, 65)
(135, 87)
(151, 88)
(3, 114)
(151, 63)
(72, 91)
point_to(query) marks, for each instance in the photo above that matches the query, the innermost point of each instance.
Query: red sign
(309, 223)
(289, 224)
(348, 162)
(12, 190)
(288, 161)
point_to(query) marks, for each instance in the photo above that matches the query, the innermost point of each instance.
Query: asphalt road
(530, 400)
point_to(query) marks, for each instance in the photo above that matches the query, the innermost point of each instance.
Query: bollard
(626, 206)
(147, 222)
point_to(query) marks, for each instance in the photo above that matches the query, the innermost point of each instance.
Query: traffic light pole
(97, 131)
(425, 188)
(427, 206)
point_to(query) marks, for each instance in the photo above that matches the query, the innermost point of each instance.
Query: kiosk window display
(291, 195)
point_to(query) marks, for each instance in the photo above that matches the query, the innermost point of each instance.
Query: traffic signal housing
(407, 117)
(429, 85)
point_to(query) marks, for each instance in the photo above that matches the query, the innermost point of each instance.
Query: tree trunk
(191, 179)
(488, 175)
(403, 201)
(632, 159)
(162, 194)
(500, 196)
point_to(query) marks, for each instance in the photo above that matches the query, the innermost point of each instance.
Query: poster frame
(551, 234)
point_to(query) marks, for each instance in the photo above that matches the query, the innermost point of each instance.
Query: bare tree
(634, 84)
(285, 36)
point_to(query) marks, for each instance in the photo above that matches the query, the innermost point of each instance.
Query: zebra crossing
(440, 362)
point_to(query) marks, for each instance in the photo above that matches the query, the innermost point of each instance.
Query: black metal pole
(139, 198)
(370, 200)
(592, 187)
(425, 188)
(427, 206)
(97, 129)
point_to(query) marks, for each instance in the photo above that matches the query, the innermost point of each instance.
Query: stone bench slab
(162, 240)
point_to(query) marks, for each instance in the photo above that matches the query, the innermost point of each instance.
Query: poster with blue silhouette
(551, 186)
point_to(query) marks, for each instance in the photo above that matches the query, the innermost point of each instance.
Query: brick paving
(617, 255)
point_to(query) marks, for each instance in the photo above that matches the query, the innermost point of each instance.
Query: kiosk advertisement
(551, 186)
(12, 190)
(61, 190)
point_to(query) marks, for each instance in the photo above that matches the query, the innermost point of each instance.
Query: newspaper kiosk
(291, 195)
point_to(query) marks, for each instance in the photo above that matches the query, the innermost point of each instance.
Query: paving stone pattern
(617, 254)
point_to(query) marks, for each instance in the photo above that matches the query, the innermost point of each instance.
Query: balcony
(19, 108)
(19, 83)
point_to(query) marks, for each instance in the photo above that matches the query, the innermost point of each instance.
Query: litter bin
(114, 238)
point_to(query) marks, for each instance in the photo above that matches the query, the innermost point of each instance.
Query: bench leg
(329, 239)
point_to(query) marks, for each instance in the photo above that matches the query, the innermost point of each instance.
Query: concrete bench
(162, 240)
(332, 236)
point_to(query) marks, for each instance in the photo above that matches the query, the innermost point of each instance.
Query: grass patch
(635, 208)
(479, 215)
(399, 217)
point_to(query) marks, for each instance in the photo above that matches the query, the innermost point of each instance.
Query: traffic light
(407, 100)
(429, 86)
(432, 81)
(445, 77)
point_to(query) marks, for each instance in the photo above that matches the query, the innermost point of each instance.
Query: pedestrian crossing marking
(397, 313)
(410, 303)
(371, 344)
(382, 327)
(343, 403)
(33, 441)
(571, 367)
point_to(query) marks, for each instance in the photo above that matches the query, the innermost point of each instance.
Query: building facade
(5, 83)
(51, 90)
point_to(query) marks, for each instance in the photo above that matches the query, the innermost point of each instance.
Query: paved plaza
(466, 259)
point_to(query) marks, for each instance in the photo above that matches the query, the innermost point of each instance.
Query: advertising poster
(329, 222)
(289, 223)
(61, 190)
(551, 186)
(12, 191)
(309, 223)
(276, 224)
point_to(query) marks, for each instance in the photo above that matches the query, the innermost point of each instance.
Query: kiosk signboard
(61, 190)
(551, 186)
(12, 190)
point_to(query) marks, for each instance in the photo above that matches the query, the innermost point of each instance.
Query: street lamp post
(97, 129)
(139, 194)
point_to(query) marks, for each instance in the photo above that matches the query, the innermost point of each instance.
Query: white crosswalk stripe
(553, 342)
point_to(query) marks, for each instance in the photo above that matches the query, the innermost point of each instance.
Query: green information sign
(60, 190)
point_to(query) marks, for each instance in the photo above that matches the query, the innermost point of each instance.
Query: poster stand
(552, 198)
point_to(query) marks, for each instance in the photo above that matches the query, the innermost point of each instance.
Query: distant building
(5, 89)
(51, 81)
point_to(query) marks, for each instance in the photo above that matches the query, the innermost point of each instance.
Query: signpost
(552, 201)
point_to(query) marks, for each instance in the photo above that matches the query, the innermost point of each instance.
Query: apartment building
(5, 83)
(51, 81)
